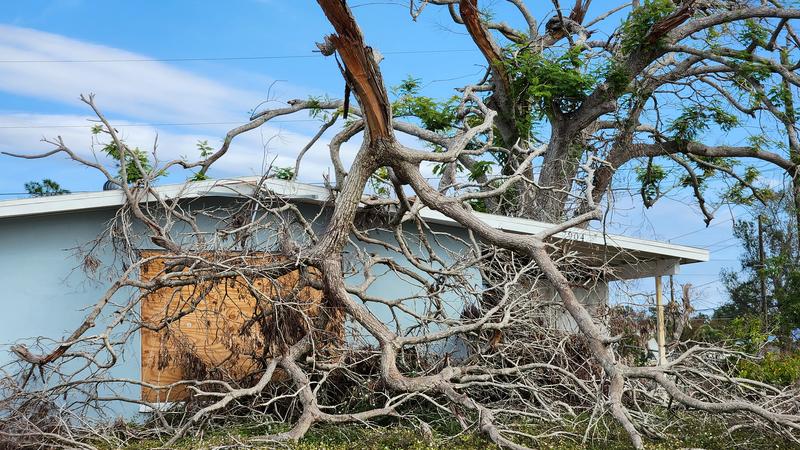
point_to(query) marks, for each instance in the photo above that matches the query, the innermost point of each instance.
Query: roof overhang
(635, 257)
(237, 187)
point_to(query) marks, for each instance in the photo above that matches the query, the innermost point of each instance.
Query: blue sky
(40, 99)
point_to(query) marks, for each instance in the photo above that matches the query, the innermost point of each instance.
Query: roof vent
(110, 186)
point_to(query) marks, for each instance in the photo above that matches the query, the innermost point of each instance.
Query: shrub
(775, 368)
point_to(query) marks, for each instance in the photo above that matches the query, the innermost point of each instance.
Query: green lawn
(360, 437)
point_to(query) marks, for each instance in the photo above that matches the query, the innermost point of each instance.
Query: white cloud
(139, 89)
(246, 156)
(150, 92)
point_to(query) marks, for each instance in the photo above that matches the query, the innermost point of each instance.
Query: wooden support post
(660, 332)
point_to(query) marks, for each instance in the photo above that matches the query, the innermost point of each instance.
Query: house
(47, 287)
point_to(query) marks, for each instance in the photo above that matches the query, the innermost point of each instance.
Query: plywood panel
(209, 339)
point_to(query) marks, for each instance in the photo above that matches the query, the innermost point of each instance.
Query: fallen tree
(486, 353)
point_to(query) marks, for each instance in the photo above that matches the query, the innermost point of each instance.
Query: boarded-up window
(225, 329)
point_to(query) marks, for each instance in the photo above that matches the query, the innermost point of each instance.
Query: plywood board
(209, 339)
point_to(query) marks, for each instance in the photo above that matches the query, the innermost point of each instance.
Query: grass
(403, 436)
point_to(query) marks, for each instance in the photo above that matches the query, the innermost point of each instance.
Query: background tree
(780, 269)
(44, 188)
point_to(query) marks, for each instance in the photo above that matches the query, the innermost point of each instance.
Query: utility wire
(730, 219)
(176, 124)
(727, 246)
(714, 244)
(219, 58)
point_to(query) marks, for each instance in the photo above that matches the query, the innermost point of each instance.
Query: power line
(176, 124)
(315, 183)
(697, 275)
(701, 229)
(709, 246)
(216, 58)
(405, 6)
(726, 247)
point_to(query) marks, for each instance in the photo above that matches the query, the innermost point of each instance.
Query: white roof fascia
(59, 203)
(104, 199)
(528, 226)
(245, 186)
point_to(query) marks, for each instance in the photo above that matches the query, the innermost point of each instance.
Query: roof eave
(246, 187)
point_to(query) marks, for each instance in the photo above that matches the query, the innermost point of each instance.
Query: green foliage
(205, 151)
(758, 141)
(704, 169)
(641, 20)
(136, 162)
(774, 368)
(744, 333)
(480, 169)
(315, 109)
(133, 171)
(380, 182)
(753, 69)
(478, 205)
(617, 78)
(314, 105)
(691, 125)
(434, 115)
(283, 173)
(712, 37)
(199, 176)
(741, 194)
(438, 169)
(561, 82)
(781, 271)
(753, 33)
(781, 97)
(650, 178)
(44, 188)
(695, 120)
(747, 332)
